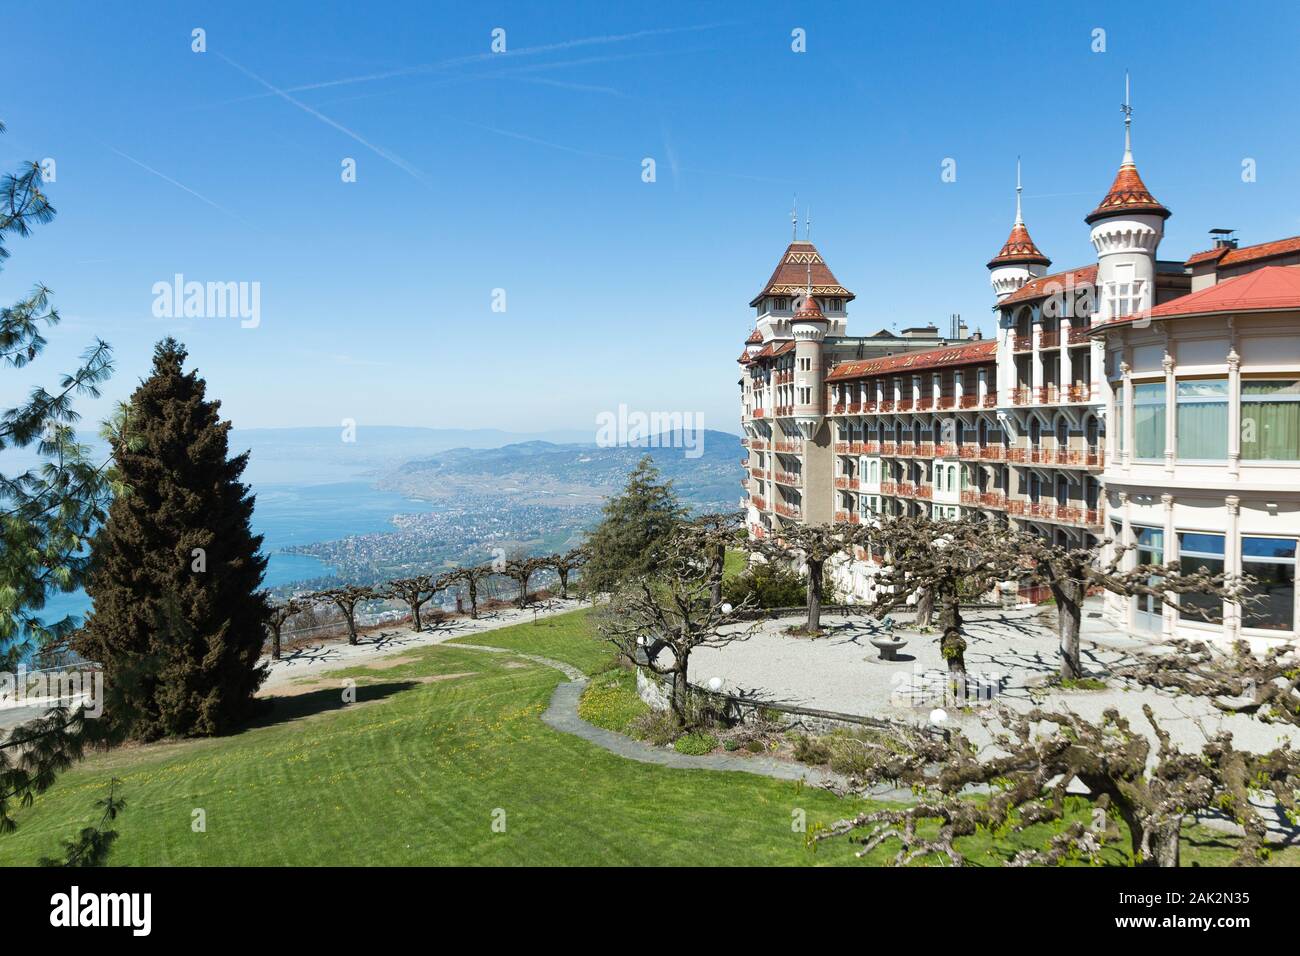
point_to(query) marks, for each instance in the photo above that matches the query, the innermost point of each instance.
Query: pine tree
(178, 620)
(627, 542)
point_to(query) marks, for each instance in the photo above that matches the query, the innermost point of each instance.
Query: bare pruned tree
(566, 563)
(281, 611)
(1154, 793)
(472, 577)
(711, 534)
(814, 546)
(1072, 573)
(346, 599)
(521, 569)
(415, 592)
(942, 563)
(657, 620)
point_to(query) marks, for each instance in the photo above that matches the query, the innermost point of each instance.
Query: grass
(611, 701)
(563, 637)
(734, 564)
(442, 738)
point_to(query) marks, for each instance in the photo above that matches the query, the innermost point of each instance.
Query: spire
(808, 232)
(1128, 194)
(1127, 108)
(794, 219)
(1019, 249)
(1020, 219)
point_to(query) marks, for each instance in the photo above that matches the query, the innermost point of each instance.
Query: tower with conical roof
(809, 327)
(1019, 260)
(1127, 227)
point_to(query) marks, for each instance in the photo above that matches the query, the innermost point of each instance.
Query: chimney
(1224, 238)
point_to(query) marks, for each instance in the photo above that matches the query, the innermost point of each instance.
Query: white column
(1126, 445)
(1129, 561)
(1169, 553)
(1234, 413)
(1232, 564)
(1171, 412)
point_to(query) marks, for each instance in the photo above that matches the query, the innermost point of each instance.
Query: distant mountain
(549, 473)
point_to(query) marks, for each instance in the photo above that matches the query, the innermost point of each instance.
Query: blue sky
(522, 171)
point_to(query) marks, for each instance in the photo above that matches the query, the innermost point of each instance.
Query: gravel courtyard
(842, 672)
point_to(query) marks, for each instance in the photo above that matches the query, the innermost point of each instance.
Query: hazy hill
(543, 472)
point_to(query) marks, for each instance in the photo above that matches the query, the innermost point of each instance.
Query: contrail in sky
(180, 185)
(373, 147)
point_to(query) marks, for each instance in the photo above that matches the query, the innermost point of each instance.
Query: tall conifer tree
(178, 621)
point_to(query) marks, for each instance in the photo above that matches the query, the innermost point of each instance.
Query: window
(1271, 562)
(1121, 437)
(1270, 420)
(1196, 551)
(1149, 420)
(1123, 292)
(1202, 419)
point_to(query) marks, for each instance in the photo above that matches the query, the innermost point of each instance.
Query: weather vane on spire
(1020, 220)
(1127, 109)
(794, 219)
(808, 234)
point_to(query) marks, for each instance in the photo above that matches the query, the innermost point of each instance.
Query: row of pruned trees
(938, 565)
(417, 591)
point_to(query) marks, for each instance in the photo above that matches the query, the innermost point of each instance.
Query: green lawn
(413, 773)
(564, 637)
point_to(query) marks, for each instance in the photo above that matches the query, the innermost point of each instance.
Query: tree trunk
(523, 591)
(275, 642)
(924, 608)
(350, 615)
(681, 690)
(1069, 615)
(415, 617)
(952, 645)
(564, 583)
(814, 597)
(473, 601)
(1160, 845)
(719, 565)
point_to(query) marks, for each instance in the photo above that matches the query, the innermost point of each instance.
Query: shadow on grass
(290, 707)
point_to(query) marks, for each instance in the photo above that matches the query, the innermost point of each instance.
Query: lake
(296, 514)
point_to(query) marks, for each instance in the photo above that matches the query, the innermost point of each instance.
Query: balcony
(841, 448)
(1080, 393)
(1078, 336)
(845, 483)
(924, 449)
(1018, 455)
(906, 449)
(945, 450)
(757, 444)
(744, 462)
(970, 401)
(970, 498)
(906, 489)
(991, 453)
(838, 409)
(887, 405)
(924, 492)
(758, 413)
(787, 511)
(1022, 396)
(868, 407)
(946, 402)
(758, 502)
(969, 452)
(857, 448)
(745, 442)
(788, 478)
(888, 488)
(991, 400)
(905, 404)
(1022, 343)
(925, 403)
(871, 448)
(887, 448)
(993, 499)
(842, 517)
(855, 408)
(788, 447)
(1049, 340)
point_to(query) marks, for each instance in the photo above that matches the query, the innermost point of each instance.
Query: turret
(809, 327)
(1019, 260)
(1127, 227)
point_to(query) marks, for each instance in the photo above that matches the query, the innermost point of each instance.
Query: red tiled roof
(1019, 248)
(1127, 194)
(1046, 285)
(791, 275)
(973, 354)
(1270, 289)
(809, 309)
(754, 338)
(1228, 256)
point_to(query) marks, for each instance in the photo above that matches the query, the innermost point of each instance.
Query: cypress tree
(178, 620)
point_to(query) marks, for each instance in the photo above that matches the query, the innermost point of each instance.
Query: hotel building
(1133, 399)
